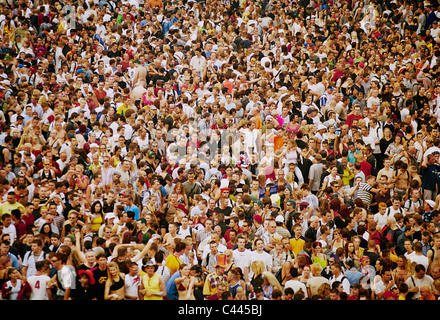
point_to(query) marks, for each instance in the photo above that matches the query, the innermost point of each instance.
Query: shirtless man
(140, 73)
(384, 181)
(386, 170)
(401, 181)
(433, 254)
(168, 240)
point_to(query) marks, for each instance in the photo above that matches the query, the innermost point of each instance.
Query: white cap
(279, 218)
(110, 215)
(430, 203)
(224, 183)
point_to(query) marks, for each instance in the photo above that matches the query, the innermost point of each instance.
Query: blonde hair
(323, 290)
(228, 252)
(290, 177)
(270, 277)
(112, 264)
(257, 267)
(316, 268)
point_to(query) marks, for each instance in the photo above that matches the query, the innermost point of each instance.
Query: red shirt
(21, 228)
(376, 237)
(28, 219)
(351, 117)
(100, 94)
(226, 236)
(366, 168)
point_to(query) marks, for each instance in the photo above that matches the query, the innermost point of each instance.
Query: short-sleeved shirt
(296, 245)
(29, 261)
(173, 263)
(364, 192)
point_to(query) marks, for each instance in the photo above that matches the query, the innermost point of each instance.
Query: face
(185, 271)
(306, 270)
(259, 245)
(113, 271)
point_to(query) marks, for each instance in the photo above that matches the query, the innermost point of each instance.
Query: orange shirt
(258, 121)
(154, 3)
(430, 298)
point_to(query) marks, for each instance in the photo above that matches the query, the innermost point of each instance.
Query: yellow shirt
(152, 285)
(173, 263)
(393, 257)
(7, 207)
(296, 245)
(96, 223)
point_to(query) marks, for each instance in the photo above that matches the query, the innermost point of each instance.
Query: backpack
(386, 235)
(383, 241)
(410, 295)
(249, 213)
(388, 210)
(190, 230)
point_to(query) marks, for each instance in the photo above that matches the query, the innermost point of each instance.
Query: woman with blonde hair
(257, 267)
(323, 291)
(25, 138)
(290, 178)
(81, 180)
(270, 283)
(115, 284)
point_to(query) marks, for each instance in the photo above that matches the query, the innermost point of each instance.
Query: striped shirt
(364, 193)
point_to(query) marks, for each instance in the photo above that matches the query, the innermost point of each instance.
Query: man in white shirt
(295, 284)
(308, 104)
(198, 62)
(373, 98)
(376, 134)
(418, 256)
(40, 283)
(259, 255)
(241, 254)
(229, 105)
(435, 30)
(337, 275)
(385, 284)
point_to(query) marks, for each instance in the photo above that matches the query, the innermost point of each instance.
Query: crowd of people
(219, 150)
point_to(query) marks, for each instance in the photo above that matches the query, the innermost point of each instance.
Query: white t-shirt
(380, 219)
(420, 259)
(39, 287)
(12, 231)
(263, 256)
(29, 262)
(132, 284)
(380, 287)
(67, 277)
(142, 143)
(241, 258)
(296, 285)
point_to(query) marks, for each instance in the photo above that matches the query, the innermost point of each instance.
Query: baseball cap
(258, 218)
(303, 205)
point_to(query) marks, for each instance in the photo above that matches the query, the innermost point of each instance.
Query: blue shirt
(135, 209)
(171, 287)
(14, 260)
(353, 276)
